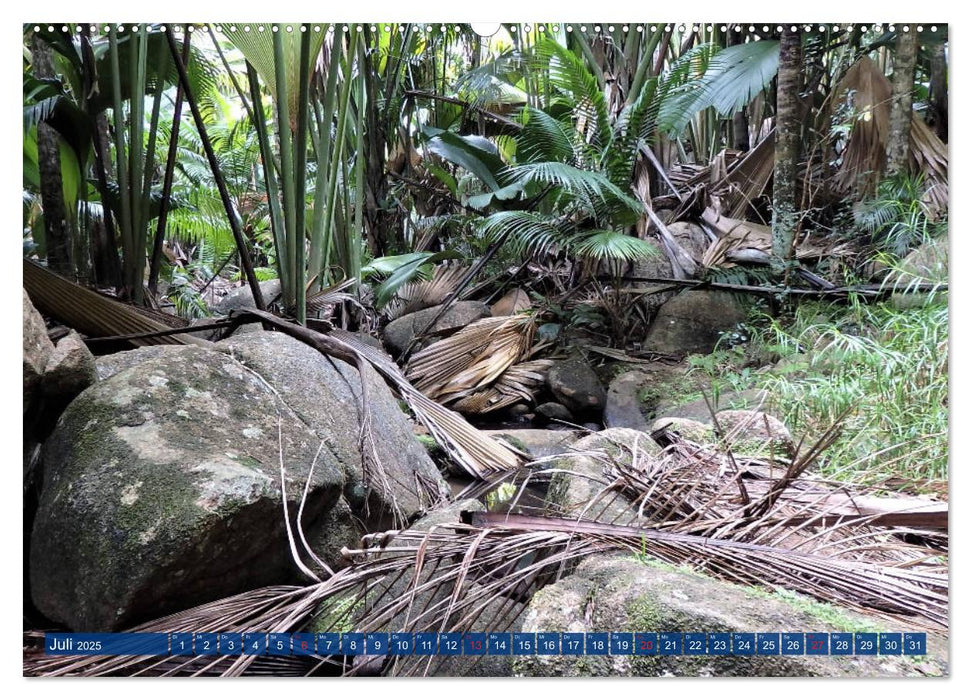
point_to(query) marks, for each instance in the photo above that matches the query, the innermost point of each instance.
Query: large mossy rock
(399, 333)
(692, 322)
(623, 594)
(326, 394)
(161, 490)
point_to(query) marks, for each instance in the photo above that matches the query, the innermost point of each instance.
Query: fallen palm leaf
(472, 359)
(748, 242)
(96, 315)
(519, 383)
(421, 294)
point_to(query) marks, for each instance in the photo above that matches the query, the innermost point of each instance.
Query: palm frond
(568, 74)
(611, 245)
(472, 359)
(544, 138)
(527, 233)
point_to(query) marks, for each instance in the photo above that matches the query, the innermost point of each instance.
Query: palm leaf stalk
(269, 173)
(127, 242)
(156, 259)
(287, 175)
(325, 118)
(244, 257)
(336, 158)
(300, 157)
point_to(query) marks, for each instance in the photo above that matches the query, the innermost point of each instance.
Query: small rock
(514, 301)
(928, 264)
(691, 237)
(755, 431)
(692, 430)
(577, 488)
(623, 408)
(551, 411)
(242, 297)
(70, 369)
(577, 387)
(538, 443)
(38, 349)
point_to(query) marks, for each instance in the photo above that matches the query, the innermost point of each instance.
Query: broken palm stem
(870, 292)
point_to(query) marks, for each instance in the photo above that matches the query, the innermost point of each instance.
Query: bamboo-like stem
(336, 157)
(163, 213)
(300, 159)
(149, 175)
(244, 257)
(120, 156)
(136, 154)
(269, 173)
(322, 188)
(354, 257)
(285, 134)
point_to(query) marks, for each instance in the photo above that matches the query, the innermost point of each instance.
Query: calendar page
(523, 349)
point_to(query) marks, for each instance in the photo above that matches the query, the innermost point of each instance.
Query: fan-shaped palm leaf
(611, 245)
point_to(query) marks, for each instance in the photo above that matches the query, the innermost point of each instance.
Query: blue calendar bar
(489, 643)
(130, 644)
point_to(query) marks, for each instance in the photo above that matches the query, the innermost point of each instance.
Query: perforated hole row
(527, 28)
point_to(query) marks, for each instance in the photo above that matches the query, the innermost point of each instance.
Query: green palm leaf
(526, 233)
(733, 77)
(257, 47)
(568, 74)
(611, 245)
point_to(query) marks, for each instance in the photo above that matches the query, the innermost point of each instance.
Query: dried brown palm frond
(422, 294)
(472, 359)
(744, 181)
(867, 90)
(96, 315)
(748, 242)
(519, 383)
(480, 575)
(701, 491)
(326, 299)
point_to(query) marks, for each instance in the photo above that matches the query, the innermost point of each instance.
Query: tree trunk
(740, 140)
(938, 97)
(57, 226)
(901, 103)
(787, 141)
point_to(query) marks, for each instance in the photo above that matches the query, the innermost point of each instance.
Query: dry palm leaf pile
(744, 519)
(484, 367)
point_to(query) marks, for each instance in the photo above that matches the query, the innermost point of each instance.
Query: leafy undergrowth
(885, 368)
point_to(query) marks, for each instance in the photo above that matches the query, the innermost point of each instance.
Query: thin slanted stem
(269, 172)
(336, 157)
(322, 188)
(244, 257)
(169, 176)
